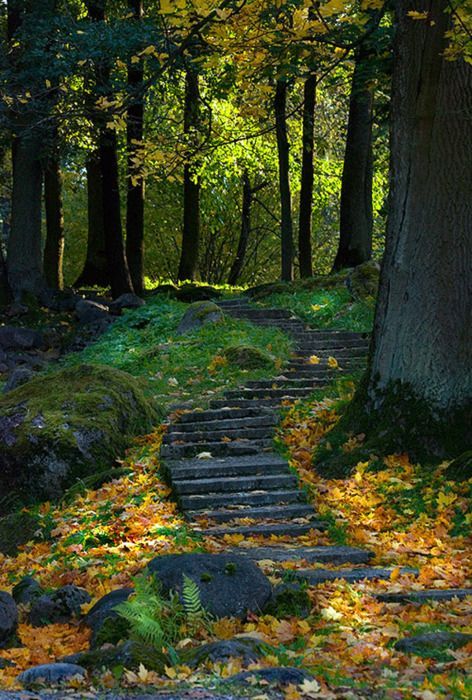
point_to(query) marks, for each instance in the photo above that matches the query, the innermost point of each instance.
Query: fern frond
(191, 598)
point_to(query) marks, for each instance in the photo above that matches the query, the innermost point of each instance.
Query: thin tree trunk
(4, 287)
(423, 328)
(95, 271)
(356, 219)
(238, 262)
(191, 225)
(120, 279)
(54, 246)
(306, 190)
(135, 185)
(280, 104)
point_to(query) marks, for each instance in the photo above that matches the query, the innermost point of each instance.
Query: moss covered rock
(248, 357)
(363, 281)
(60, 428)
(199, 314)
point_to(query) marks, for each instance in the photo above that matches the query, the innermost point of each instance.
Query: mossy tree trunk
(283, 150)
(54, 246)
(423, 328)
(306, 190)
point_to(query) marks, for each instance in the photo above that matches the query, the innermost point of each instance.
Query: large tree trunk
(238, 263)
(95, 272)
(423, 330)
(120, 279)
(355, 242)
(135, 185)
(54, 246)
(280, 104)
(191, 225)
(306, 190)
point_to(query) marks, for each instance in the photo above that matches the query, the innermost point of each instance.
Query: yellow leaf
(170, 672)
(332, 362)
(314, 360)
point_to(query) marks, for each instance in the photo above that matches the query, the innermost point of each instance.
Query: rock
(26, 591)
(13, 338)
(200, 314)
(8, 618)
(191, 293)
(289, 599)
(363, 281)
(19, 376)
(460, 469)
(91, 312)
(245, 649)
(15, 309)
(170, 289)
(247, 357)
(106, 625)
(281, 676)
(431, 642)
(230, 585)
(130, 655)
(67, 425)
(50, 674)
(59, 606)
(126, 301)
(16, 529)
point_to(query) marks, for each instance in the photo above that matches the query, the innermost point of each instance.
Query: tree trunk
(306, 191)
(120, 279)
(423, 330)
(54, 246)
(238, 262)
(95, 270)
(355, 242)
(135, 187)
(191, 226)
(4, 287)
(280, 104)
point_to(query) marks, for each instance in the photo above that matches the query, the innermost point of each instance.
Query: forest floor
(407, 514)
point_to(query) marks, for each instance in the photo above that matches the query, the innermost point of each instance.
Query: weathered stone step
(264, 482)
(216, 449)
(323, 555)
(316, 576)
(433, 594)
(266, 530)
(319, 370)
(251, 313)
(231, 414)
(324, 346)
(206, 468)
(269, 393)
(332, 336)
(323, 353)
(289, 382)
(225, 515)
(245, 498)
(247, 403)
(238, 301)
(175, 438)
(251, 422)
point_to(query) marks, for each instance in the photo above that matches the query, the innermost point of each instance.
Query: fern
(191, 599)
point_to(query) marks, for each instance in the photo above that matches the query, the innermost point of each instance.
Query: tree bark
(135, 187)
(356, 218)
(188, 266)
(238, 263)
(95, 271)
(54, 246)
(423, 330)
(280, 104)
(306, 190)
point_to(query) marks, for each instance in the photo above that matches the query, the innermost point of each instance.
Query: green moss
(289, 600)
(16, 529)
(247, 357)
(364, 280)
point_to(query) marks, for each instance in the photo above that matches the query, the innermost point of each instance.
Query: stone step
(305, 353)
(266, 530)
(227, 414)
(317, 347)
(322, 555)
(228, 303)
(245, 498)
(216, 449)
(224, 515)
(316, 576)
(247, 403)
(433, 594)
(307, 370)
(265, 482)
(289, 382)
(256, 313)
(269, 393)
(333, 336)
(232, 467)
(251, 422)
(175, 438)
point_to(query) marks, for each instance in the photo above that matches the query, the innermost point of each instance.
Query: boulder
(245, 649)
(50, 674)
(460, 469)
(13, 338)
(26, 591)
(59, 606)
(106, 625)
(280, 676)
(67, 425)
(8, 618)
(88, 312)
(19, 376)
(432, 642)
(190, 293)
(247, 357)
(17, 528)
(200, 314)
(131, 654)
(126, 301)
(289, 599)
(230, 585)
(363, 281)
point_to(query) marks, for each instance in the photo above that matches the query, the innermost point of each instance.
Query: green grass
(179, 368)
